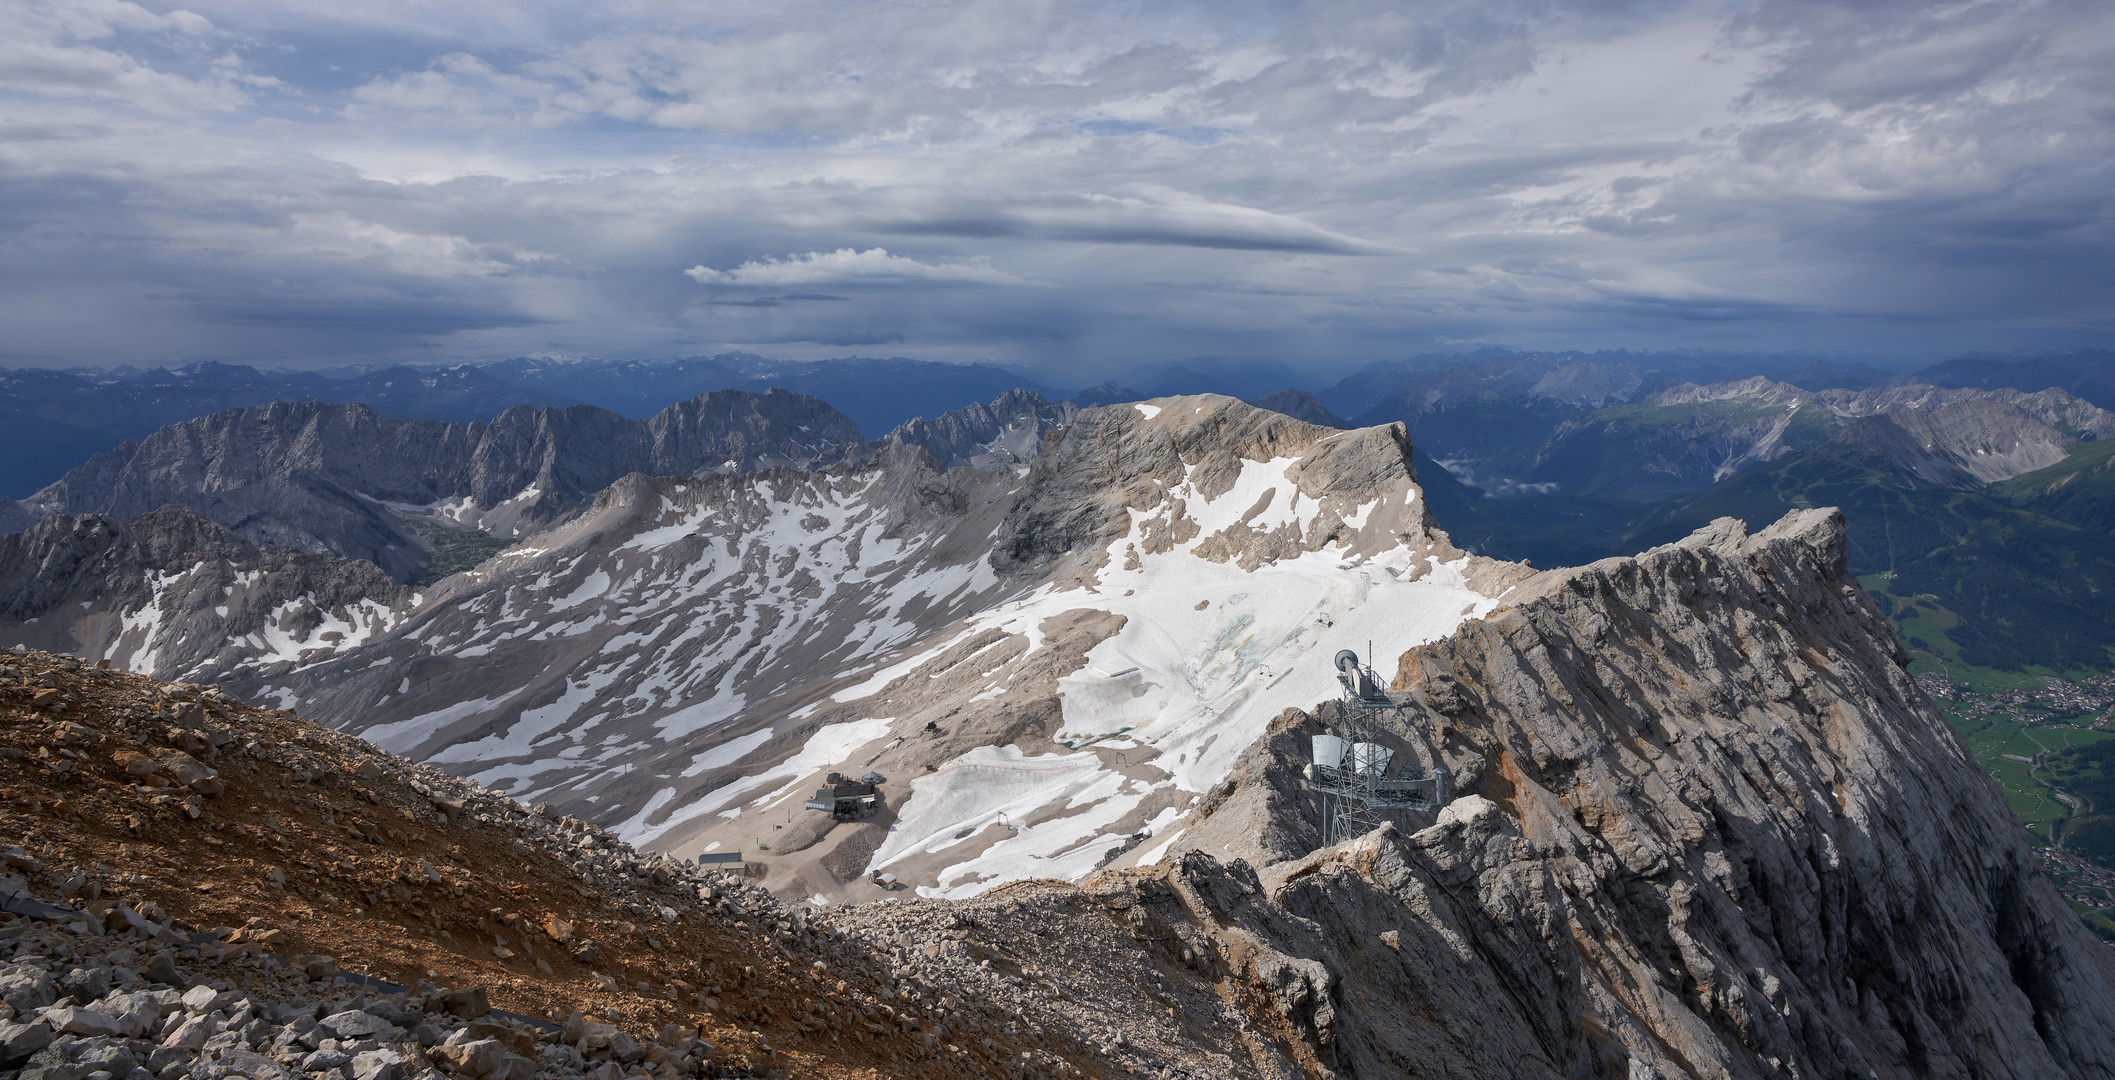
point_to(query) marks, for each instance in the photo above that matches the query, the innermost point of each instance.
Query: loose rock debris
(201, 888)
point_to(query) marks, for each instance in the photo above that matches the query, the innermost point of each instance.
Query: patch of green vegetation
(2096, 921)
(2013, 590)
(2086, 770)
(454, 551)
(2079, 489)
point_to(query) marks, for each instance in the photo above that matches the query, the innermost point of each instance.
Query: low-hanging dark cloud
(1076, 186)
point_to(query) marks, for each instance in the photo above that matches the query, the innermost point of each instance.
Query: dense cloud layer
(1075, 185)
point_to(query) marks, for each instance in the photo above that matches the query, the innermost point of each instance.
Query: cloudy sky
(1074, 186)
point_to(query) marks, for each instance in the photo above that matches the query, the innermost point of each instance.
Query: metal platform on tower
(1350, 767)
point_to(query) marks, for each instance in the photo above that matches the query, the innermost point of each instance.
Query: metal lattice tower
(1350, 766)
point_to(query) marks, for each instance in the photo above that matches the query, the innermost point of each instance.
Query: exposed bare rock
(342, 478)
(711, 607)
(689, 658)
(1773, 852)
(1706, 827)
(2073, 416)
(1962, 444)
(1009, 431)
(172, 594)
(1714, 831)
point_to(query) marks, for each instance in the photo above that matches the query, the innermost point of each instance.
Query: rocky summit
(1069, 667)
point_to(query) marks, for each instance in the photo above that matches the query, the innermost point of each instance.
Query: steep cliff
(345, 479)
(14, 517)
(1711, 829)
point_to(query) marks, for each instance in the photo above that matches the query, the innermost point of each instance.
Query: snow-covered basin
(1208, 655)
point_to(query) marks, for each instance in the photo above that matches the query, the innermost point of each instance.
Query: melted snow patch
(1197, 679)
(595, 585)
(401, 736)
(828, 746)
(727, 753)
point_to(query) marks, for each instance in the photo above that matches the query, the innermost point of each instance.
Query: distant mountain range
(1985, 485)
(1989, 511)
(417, 497)
(51, 421)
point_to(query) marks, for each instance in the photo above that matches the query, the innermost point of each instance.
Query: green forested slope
(2026, 588)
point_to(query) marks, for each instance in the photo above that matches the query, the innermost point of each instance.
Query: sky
(1075, 187)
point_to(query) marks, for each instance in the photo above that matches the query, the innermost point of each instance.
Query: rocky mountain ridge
(193, 600)
(1008, 431)
(1688, 437)
(1706, 824)
(1718, 850)
(341, 478)
(171, 592)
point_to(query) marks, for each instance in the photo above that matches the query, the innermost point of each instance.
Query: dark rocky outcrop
(1688, 437)
(342, 478)
(1706, 824)
(1963, 444)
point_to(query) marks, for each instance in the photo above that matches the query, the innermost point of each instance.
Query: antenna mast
(1350, 768)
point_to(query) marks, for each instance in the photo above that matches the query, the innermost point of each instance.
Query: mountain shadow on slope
(2079, 489)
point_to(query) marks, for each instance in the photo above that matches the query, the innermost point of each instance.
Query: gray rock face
(1963, 444)
(174, 595)
(343, 478)
(2073, 416)
(1712, 830)
(719, 640)
(1162, 461)
(1721, 733)
(1707, 827)
(1008, 431)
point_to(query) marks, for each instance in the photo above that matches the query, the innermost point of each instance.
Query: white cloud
(75, 49)
(1175, 179)
(848, 267)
